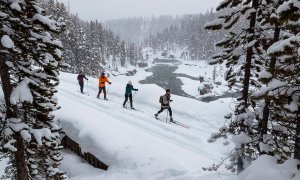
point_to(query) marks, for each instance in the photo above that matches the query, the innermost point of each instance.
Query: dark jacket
(80, 77)
(166, 100)
(129, 89)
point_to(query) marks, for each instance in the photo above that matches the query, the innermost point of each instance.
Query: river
(164, 76)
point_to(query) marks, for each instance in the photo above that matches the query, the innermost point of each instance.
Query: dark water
(164, 76)
(225, 95)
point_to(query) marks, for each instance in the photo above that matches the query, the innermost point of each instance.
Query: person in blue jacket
(128, 93)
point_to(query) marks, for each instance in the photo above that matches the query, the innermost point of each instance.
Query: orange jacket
(102, 81)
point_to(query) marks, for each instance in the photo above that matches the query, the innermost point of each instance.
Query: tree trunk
(20, 158)
(266, 111)
(249, 54)
(297, 140)
(11, 112)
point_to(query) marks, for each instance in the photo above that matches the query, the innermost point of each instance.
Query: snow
(240, 139)
(15, 5)
(21, 93)
(216, 22)
(266, 168)
(293, 106)
(265, 75)
(3, 164)
(26, 135)
(46, 39)
(7, 42)
(58, 52)
(76, 167)
(197, 69)
(2, 14)
(45, 20)
(263, 90)
(9, 145)
(39, 134)
(189, 86)
(274, 83)
(133, 143)
(280, 45)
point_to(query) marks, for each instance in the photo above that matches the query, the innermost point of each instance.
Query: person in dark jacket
(80, 80)
(128, 94)
(165, 104)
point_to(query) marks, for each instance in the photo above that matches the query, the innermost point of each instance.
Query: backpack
(161, 99)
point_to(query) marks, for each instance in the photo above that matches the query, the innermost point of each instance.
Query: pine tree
(285, 87)
(271, 28)
(87, 45)
(132, 54)
(240, 48)
(31, 134)
(123, 54)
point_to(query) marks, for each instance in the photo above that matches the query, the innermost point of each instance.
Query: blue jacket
(129, 89)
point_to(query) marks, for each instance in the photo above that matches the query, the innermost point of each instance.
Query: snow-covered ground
(133, 143)
(136, 146)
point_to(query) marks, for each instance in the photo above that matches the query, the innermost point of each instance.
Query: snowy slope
(133, 143)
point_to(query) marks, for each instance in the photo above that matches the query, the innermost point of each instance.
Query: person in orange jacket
(102, 81)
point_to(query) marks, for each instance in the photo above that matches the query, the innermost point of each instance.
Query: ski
(175, 122)
(102, 99)
(180, 124)
(133, 109)
(84, 93)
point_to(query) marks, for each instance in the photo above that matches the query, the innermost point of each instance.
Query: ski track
(145, 121)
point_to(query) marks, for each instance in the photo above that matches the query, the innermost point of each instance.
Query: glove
(137, 89)
(171, 100)
(109, 82)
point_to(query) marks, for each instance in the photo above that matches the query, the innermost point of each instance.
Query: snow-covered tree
(284, 88)
(30, 64)
(87, 45)
(123, 54)
(241, 53)
(270, 48)
(271, 29)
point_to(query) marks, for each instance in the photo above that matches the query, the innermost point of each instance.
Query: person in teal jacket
(128, 94)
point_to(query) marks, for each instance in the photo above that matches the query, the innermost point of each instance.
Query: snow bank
(266, 168)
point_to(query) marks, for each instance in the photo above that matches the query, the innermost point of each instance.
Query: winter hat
(168, 90)
(103, 74)
(129, 82)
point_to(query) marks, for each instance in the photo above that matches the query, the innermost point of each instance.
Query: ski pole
(167, 116)
(87, 87)
(133, 94)
(107, 89)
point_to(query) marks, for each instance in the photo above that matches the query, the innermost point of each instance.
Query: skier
(165, 104)
(102, 81)
(128, 93)
(80, 80)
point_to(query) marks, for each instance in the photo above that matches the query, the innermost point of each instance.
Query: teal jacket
(129, 89)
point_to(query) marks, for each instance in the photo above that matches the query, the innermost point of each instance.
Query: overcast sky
(114, 9)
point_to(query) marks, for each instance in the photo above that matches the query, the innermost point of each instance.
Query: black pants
(163, 108)
(126, 99)
(81, 86)
(100, 90)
